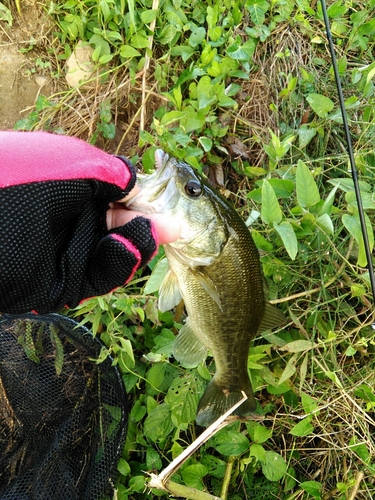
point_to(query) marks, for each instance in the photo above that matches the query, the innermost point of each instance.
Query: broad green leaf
(307, 190)
(328, 202)
(155, 375)
(5, 14)
(153, 460)
(303, 428)
(257, 10)
(289, 238)
(148, 16)
(138, 411)
(206, 143)
(353, 225)
(230, 443)
(325, 222)
(305, 134)
(182, 397)
(271, 211)
(313, 488)
(257, 451)
(368, 202)
(171, 116)
(274, 468)
(158, 424)
(139, 42)
(347, 184)
(193, 475)
(309, 404)
(123, 467)
(289, 370)
(258, 433)
(320, 104)
(126, 51)
(333, 376)
(298, 346)
(156, 277)
(197, 37)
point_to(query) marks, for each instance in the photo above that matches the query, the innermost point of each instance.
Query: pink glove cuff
(52, 157)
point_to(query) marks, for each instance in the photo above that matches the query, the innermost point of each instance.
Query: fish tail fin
(216, 400)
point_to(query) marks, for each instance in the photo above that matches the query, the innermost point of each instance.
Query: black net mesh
(63, 417)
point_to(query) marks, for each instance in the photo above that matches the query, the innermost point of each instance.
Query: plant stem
(227, 476)
(180, 490)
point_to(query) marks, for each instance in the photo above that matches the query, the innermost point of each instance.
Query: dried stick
(162, 482)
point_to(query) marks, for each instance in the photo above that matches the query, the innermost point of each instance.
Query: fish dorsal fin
(208, 285)
(272, 317)
(169, 292)
(188, 349)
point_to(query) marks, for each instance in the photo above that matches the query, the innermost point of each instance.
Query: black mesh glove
(55, 249)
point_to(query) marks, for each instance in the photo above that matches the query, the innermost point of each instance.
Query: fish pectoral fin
(208, 285)
(188, 349)
(169, 292)
(272, 317)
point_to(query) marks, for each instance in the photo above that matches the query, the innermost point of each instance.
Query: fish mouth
(157, 189)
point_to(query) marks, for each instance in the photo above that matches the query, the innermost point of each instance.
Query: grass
(317, 398)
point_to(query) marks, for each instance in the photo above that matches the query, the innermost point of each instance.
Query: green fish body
(215, 268)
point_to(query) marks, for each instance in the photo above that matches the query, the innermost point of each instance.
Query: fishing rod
(353, 167)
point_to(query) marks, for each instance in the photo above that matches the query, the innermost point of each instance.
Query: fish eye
(193, 189)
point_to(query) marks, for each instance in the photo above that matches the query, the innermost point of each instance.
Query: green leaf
(325, 222)
(148, 16)
(313, 488)
(193, 475)
(289, 370)
(230, 443)
(123, 467)
(156, 277)
(298, 346)
(321, 104)
(197, 37)
(303, 428)
(153, 460)
(182, 397)
(305, 134)
(353, 225)
(257, 451)
(307, 190)
(6, 15)
(309, 404)
(271, 211)
(158, 424)
(206, 143)
(274, 467)
(257, 10)
(126, 51)
(59, 349)
(258, 433)
(289, 238)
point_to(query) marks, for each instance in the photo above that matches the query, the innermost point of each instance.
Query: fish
(215, 268)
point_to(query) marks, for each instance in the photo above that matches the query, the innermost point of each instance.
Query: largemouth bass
(214, 267)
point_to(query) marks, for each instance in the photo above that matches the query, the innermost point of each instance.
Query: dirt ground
(20, 81)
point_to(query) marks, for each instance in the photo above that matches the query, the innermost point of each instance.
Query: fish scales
(215, 268)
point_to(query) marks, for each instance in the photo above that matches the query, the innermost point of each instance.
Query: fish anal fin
(169, 292)
(272, 318)
(216, 400)
(188, 349)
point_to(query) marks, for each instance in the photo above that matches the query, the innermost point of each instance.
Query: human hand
(168, 229)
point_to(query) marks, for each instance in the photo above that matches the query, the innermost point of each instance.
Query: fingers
(167, 228)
